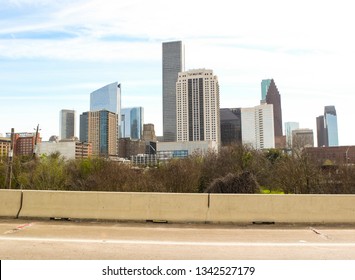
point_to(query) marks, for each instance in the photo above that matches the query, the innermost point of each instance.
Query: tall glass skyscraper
(132, 123)
(264, 88)
(173, 63)
(66, 124)
(107, 98)
(327, 128)
(331, 125)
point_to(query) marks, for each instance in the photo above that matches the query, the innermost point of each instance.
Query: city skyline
(53, 54)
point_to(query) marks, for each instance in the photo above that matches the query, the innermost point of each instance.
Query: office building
(327, 128)
(273, 97)
(132, 123)
(302, 138)
(331, 126)
(66, 124)
(197, 106)
(107, 98)
(173, 63)
(258, 126)
(68, 149)
(231, 126)
(289, 127)
(5, 146)
(149, 132)
(25, 143)
(321, 132)
(332, 155)
(100, 129)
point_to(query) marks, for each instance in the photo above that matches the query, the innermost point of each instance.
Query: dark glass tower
(273, 97)
(231, 126)
(173, 63)
(321, 135)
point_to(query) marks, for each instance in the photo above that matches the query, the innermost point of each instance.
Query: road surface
(74, 240)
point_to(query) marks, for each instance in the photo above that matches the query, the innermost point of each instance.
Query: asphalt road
(72, 240)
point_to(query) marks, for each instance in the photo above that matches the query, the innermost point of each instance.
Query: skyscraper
(327, 128)
(264, 88)
(258, 126)
(132, 123)
(289, 127)
(273, 97)
(107, 98)
(66, 124)
(173, 63)
(231, 126)
(100, 129)
(331, 125)
(321, 133)
(197, 106)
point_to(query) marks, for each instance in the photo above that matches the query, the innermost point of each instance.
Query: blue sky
(54, 53)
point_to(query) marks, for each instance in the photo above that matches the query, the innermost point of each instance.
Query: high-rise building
(302, 138)
(273, 97)
(327, 128)
(197, 106)
(321, 133)
(107, 98)
(66, 124)
(100, 129)
(231, 126)
(264, 88)
(258, 126)
(289, 127)
(331, 126)
(173, 63)
(132, 123)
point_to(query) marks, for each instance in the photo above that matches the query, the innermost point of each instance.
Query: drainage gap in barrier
(263, 223)
(59, 219)
(157, 221)
(21, 202)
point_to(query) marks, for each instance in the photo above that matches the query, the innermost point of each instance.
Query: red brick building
(336, 155)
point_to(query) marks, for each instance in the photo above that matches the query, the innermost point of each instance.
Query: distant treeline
(235, 169)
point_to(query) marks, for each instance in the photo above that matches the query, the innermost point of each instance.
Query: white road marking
(179, 243)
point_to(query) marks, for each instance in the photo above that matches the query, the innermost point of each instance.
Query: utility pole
(10, 159)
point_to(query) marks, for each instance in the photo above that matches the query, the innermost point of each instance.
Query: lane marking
(18, 228)
(178, 243)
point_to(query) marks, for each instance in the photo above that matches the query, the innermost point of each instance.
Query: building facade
(66, 124)
(100, 129)
(289, 127)
(273, 97)
(327, 128)
(173, 63)
(321, 132)
(302, 138)
(67, 149)
(5, 146)
(132, 123)
(197, 106)
(331, 126)
(258, 126)
(333, 155)
(107, 98)
(231, 126)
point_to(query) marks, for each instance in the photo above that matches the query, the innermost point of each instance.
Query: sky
(54, 53)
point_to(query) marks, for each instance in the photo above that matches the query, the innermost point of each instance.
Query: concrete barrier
(245, 208)
(10, 203)
(172, 207)
(115, 206)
